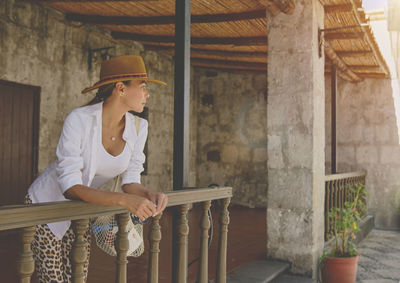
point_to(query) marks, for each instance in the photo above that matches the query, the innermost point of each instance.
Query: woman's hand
(139, 206)
(159, 199)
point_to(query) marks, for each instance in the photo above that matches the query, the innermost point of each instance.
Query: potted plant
(340, 265)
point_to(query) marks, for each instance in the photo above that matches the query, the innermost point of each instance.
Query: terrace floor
(379, 262)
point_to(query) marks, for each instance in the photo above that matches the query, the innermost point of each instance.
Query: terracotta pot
(340, 270)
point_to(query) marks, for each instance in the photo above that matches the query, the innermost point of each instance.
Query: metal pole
(182, 94)
(181, 111)
(333, 115)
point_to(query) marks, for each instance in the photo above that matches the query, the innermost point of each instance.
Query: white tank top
(109, 166)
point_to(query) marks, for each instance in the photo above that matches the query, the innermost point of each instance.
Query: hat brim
(99, 84)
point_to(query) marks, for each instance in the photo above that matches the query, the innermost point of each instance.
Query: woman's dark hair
(104, 92)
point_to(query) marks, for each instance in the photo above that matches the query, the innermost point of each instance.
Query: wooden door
(19, 117)
(19, 121)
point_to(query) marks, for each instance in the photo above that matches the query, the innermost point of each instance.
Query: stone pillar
(296, 137)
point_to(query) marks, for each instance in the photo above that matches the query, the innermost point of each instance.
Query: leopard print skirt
(52, 255)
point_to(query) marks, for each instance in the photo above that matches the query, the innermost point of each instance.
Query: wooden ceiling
(232, 34)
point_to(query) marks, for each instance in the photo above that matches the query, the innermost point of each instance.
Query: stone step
(288, 278)
(261, 271)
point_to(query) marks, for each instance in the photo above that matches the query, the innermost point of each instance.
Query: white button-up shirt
(76, 157)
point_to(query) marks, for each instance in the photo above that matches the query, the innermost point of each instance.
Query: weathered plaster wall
(232, 134)
(367, 139)
(37, 47)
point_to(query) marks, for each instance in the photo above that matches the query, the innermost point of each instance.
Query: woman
(97, 143)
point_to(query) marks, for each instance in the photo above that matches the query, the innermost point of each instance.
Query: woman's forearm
(136, 189)
(140, 206)
(91, 195)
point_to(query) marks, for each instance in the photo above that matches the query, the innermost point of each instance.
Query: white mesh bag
(105, 228)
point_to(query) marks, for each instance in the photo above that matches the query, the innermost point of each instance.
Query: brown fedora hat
(122, 68)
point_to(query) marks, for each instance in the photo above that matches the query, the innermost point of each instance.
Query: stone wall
(368, 139)
(37, 47)
(296, 125)
(232, 134)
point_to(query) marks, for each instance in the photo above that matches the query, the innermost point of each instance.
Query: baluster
(205, 226)
(222, 246)
(331, 202)
(121, 246)
(155, 238)
(339, 199)
(182, 233)
(327, 222)
(336, 197)
(335, 201)
(79, 254)
(353, 183)
(341, 187)
(25, 262)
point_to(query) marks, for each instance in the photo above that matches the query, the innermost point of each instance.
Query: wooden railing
(25, 217)
(337, 192)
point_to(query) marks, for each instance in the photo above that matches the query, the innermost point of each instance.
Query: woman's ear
(119, 86)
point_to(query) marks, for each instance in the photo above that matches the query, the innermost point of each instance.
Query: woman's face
(135, 95)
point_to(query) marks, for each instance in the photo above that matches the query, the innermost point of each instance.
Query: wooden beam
(93, 1)
(373, 75)
(211, 51)
(331, 54)
(230, 70)
(277, 6)
(354, 53)
(254, 40)
(338, 8)
(227, 63)
(362, 75)
(223, 67)
(365, 69)
(343, 35)
(165, 20)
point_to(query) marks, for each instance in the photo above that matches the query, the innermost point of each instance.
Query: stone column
(296, 137)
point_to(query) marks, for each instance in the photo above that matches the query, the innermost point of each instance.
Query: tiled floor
(379, 260)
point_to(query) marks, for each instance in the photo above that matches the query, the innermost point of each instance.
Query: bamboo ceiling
(349, 42)
(232, 34)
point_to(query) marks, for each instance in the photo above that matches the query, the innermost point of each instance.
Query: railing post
(223, 242)
(183, 231)
(205, 226)
(25, 262)
(79, 254)
(155, 238)
(327, 222)
(121, 246)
